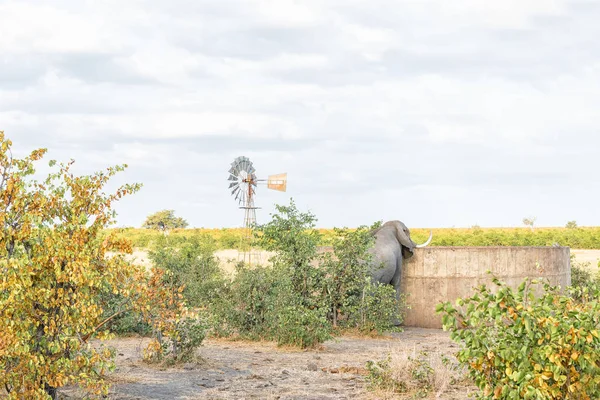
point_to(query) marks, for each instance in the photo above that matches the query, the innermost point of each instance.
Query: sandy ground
(585, 256)
(242, 370)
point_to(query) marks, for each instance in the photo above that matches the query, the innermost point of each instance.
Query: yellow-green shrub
(517, 346)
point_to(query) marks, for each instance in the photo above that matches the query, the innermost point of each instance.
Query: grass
(411, 374)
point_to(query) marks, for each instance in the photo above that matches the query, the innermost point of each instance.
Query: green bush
(190, 334)
(260, 304)
(125, 320)
(304, 295)
(291, 234)
(353, 300)
(299, 326)
(180, 346)
(378, 310)
(193, 265)
(518, 346)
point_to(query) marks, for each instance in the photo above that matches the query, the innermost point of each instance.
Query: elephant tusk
(427, 242)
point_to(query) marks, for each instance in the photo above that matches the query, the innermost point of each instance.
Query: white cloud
(396, 103)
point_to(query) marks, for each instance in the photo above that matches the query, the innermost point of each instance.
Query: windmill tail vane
(277, 182)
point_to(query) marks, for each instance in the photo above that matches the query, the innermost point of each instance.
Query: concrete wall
(437, 274)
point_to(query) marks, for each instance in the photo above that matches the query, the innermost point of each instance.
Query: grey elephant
(392, 245)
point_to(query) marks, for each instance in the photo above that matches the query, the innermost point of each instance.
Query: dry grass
(412, 373)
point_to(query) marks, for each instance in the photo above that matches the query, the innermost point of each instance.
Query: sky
(436, 113)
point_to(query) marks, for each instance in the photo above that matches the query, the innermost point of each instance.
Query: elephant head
(403, 235)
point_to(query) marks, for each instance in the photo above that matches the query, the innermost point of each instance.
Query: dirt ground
(242, 370)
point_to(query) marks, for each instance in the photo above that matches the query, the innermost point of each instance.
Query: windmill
(242, 183)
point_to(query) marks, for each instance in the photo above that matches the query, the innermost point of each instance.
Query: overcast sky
(438, 113)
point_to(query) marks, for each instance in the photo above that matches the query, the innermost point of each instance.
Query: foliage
(124, 319)
(231, 238)
(192, 265)
(188, 334)
(378, 309)
(164, 219)
(299, 326)
(54, 269)
(291, 235)
(583, 281)
(577, 238)
(299, 300)
(518, 346)
(260, 304)
(571, 225)
(353, 300)
(345, 271)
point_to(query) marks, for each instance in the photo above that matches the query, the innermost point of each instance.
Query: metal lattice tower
(243, 182)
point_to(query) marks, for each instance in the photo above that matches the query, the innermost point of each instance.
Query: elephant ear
(403, 237)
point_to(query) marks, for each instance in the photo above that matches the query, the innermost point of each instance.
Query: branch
(86, 337)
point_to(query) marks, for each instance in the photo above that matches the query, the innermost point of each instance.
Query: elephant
(392, 245)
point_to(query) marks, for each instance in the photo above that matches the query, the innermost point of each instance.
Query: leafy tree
(164, 219)
(54, 268)
(571, 224)
(529, 222)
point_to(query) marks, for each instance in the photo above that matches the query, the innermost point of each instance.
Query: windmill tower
(242, 183)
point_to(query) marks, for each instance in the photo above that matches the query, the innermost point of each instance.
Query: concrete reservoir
(438, 274)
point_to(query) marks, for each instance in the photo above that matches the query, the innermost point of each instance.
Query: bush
(124, 320)
(304, 296)
(378, 310)
(180, 345)
(299, 326)
(291, 234)
(518, 346)
(193, 265)
(260, 304)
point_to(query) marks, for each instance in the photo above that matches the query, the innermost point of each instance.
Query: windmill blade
(242, 180)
